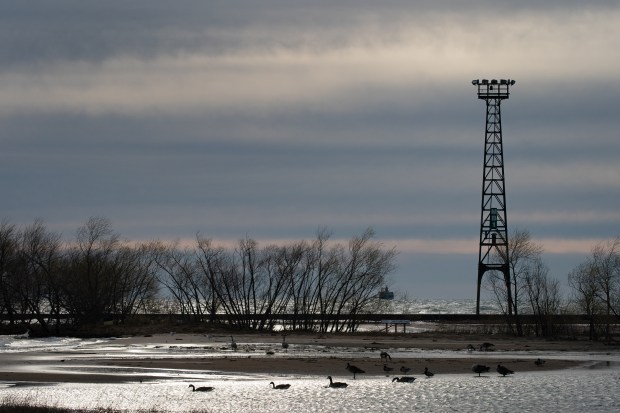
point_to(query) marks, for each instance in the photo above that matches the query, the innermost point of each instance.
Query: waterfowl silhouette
(387, 369)
(354, 369)
(385, 356)
(539, 362)
(280, 386)
(336, 384)
(405, 369)
(427, 373)
(200, 388)
(284, 343)
(503, 370)
(233, 345)
(404, 379)
(486, 346)
(479, 368)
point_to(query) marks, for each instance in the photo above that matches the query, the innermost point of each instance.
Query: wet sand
(362, 351)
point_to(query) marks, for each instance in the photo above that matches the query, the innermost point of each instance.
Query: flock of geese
(476, 368)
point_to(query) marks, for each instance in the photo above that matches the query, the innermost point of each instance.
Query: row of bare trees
(313, 281)
(98, 275)
(80, 282)
(594, 284)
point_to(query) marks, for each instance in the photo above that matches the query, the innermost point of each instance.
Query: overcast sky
(272, 119)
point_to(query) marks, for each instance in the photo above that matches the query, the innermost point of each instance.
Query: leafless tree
(524, 253)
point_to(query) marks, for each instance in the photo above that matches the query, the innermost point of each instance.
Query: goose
(479, 368)
(280, 386)
(385, 356)
(233, 345)
(405, 369)
(387, 369)
(404, 379)
(284, 343)
(427, 373)
(503, 370)
(354, 369)
(470, 348)
(539, 362)
(486, 346)
(336, 384)
(200, 388)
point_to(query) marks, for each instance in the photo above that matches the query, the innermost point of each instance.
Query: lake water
(592, 387)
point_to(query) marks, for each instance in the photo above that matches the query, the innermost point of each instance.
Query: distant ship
(386, 294)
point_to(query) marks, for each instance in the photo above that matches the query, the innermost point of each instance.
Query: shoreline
(452, 357)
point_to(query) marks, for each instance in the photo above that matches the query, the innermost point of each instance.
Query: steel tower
(493, 251)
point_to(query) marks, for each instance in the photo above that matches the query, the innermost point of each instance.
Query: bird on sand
(336, 384)
(194, 388)
(404, 379)
(284, 343)
(503, 370)
(280, 386)
(427, 373)
(405, 369)
(354, 369)
(539, 362)
(385, 356)
(479, 368)
(387, 369)
(233, 344)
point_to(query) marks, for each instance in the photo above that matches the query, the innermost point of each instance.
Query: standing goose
(404, 379)
(280, 386)
(427, 373)
(336, 384)
(354, 369)
(200, 388)
(385, 356)
(233, 344)
(479, 368)
(503, 370)
(284, 343)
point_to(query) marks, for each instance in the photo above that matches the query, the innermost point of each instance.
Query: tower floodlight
(493, 252)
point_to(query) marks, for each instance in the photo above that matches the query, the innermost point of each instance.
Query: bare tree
(524, 253)
(597, 283)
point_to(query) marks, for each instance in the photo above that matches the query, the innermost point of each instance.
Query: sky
(275, 119)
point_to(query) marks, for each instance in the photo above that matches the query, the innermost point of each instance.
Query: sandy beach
(263, 354)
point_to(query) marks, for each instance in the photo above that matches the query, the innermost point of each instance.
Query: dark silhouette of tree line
(98, 275)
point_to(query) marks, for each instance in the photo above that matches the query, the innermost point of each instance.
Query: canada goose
(284, 343)
(486, 346)
(539, 362)
(427, 373)
(336, 384)
(479, 368)
(233, 345)
(385, 356)
(405, 369)
(354, 369)
(387, 369)
(470, 348)
(503, 370)
(280, 386)
(404, 379)
(200, 388)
